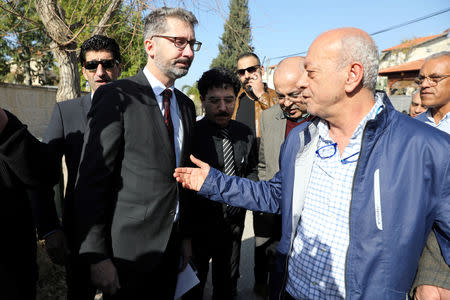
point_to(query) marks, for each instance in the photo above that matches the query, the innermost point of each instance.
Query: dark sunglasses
(92, 65)
(251, 69)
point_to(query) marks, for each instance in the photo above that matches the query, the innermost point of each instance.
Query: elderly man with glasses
(131, 213)
(433, 279)
(100, 64)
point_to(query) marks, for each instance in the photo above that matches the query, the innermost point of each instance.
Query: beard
(170, 69)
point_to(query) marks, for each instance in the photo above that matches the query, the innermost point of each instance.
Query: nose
(302, 83)
(222, 105)
(287, 102)
(100, 72)
(187, 51)
(425, 83)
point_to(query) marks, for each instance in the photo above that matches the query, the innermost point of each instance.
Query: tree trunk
(63, 47)
(69, 77)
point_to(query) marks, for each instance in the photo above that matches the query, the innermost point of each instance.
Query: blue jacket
(405, 161)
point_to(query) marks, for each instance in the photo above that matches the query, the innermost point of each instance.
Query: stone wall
(33, 105)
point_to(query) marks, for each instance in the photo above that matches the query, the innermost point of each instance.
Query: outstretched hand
(192, 178)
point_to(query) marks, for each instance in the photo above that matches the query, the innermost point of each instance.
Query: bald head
(285, 78)
(353, 44)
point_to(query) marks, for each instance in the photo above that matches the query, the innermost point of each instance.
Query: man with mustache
(433, 279)
(276, 123)
(254, 96)
(100, 63)
(131, 213)
(229, 146)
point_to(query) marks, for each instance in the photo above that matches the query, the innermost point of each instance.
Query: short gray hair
(155, 22)
(438, 55)
(362, 49)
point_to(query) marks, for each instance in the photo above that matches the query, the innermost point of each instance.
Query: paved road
(245, 283)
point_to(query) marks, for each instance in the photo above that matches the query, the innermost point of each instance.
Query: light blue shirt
(316, 266)
(175, 115)
(443, 125)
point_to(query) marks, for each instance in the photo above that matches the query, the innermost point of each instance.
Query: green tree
(192, 92)
(24, 46)
(236, 38)
(66, 23)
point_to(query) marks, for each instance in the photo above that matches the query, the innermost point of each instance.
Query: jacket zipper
(350, 211)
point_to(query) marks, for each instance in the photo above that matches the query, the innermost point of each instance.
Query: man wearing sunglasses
(131, 212)
(254, 96)
(354, 219)
(433, 279)
(100, 63)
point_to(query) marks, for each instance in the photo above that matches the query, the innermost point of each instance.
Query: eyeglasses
(92, 65)
(330, 150)
(180, 42)
(251, 69)
(292, 96)
(433, 80)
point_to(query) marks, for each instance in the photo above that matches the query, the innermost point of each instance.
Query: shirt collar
(156, 85)
(431, 119)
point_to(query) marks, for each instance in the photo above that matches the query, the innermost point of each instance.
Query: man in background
(100, 62)
(276, 123)
(416, 107)
(253, 98)
(229, 146)
(433, 278)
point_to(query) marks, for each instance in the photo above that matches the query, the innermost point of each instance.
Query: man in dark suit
(230, 146)
(130, 210)
(24, 163)
(100, 61)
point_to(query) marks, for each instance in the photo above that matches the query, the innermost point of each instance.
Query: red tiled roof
(416, 41)
(409, 66)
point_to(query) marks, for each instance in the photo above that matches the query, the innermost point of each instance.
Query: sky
(290, 26)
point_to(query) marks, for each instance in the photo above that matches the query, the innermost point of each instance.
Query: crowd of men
(351, 198)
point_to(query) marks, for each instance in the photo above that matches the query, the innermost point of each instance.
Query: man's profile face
(416, 107)
(322, 82)
(100, 75)
(219, 104)
(435, 95)
(170, 60)
(253, 71)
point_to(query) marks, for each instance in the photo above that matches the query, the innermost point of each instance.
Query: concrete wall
(33, 105)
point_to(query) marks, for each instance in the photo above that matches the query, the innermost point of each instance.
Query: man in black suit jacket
(218, 228)
(100, 61)
(24, 163)
(130, 209)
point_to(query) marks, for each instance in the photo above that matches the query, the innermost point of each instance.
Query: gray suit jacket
(273, 128)
(65, 133)
(125, 194)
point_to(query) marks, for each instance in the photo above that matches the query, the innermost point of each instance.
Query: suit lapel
(85, 103)
(148, 97)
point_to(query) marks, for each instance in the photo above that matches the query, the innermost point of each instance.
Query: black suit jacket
(65, 133)
(125, 194)
(24, 163)
(209, 216)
